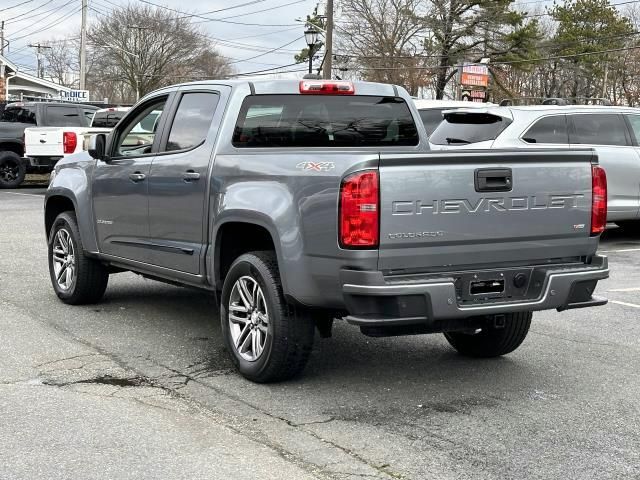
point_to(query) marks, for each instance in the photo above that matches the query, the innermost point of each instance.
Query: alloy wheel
(248, 318)
(64, 260)
(9, 171)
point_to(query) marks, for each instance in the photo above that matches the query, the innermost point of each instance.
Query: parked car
(19, 116)
(298, 202)
(431, 110)
(612, 132)
(47, 145)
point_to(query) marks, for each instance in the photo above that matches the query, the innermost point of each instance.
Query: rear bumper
(375, 300)
(40, 164)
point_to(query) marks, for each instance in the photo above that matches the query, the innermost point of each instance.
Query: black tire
(12, 170)
(89, 277)
(492, 341)
(289, 332)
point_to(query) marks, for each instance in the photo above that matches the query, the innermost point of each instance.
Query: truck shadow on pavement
(186, 321)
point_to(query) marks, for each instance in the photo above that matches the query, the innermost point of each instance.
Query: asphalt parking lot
(139, 386)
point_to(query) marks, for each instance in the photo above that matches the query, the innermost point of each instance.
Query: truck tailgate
(475, 209)
(43, 142)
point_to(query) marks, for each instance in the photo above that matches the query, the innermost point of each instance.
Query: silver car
(613, 132)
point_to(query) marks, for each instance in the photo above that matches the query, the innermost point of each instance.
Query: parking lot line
(621, 250)
(24, 194)
(624, 304)
(634, 289)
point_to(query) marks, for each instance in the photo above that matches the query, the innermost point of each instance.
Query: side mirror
(97, 146)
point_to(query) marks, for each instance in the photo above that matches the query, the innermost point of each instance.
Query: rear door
(608, 135)
(179, 179)
(465, 209)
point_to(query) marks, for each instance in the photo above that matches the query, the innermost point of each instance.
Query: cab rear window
(324, 121)
(466, 128)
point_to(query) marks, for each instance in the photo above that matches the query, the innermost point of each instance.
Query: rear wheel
(268, 340)
(493, 341)
(12, 170)
(76, 278)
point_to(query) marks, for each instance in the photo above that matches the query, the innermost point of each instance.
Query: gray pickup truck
(300, 202)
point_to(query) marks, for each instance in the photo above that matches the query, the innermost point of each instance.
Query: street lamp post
(311, 37)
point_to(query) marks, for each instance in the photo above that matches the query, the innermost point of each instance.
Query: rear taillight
(323, 87)
(598, 200)
(359, 210)
(69, 142)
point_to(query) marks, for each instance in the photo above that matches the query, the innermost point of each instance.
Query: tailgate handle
(493, 180)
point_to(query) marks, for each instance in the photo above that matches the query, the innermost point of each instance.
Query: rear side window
(598, 129)
(634, 120)
(465, 128)
(548, 130)
(192, 120)
(64, 117)
(19, 115)
(324, 121)
(431, 118)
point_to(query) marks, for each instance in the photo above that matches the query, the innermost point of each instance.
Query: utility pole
(83, 47)
(328, 42)
(39, 47)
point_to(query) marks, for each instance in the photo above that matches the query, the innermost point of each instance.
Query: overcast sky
(42, 20)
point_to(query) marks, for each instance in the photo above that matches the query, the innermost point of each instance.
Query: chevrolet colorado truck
(19, 116)
(299, 202)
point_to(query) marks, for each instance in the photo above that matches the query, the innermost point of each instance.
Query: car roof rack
(519, 101)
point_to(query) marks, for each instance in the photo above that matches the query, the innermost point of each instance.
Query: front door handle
(191, 176)
(137, 177)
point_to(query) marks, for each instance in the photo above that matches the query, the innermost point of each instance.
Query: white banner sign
(75, 96)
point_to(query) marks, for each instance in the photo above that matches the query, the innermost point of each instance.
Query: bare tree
(380, 39)
(137, 49)
(62, 61)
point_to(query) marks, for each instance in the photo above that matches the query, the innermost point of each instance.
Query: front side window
(136, 135)
(19, 115)
(465, 128)
(64, 117)
(192, 120)
(324, 121)
(598, 129)
(548, 130)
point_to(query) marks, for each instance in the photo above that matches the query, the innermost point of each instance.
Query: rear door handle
(137, 177)
(191, 176)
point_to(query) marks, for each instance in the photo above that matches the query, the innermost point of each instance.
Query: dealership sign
(474, 75)
(75, 95)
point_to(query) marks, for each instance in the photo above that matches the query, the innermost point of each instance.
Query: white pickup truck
(53, 143)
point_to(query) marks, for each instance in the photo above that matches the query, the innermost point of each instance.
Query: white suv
(613, 132)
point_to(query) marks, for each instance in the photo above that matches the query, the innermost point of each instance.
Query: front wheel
(493, 340)
(76, 278)
(267, 339)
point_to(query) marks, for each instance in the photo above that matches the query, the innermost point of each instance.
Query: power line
(266, 53)
(16, 5)
(41, 13)
(214, 19)
(256, 11)
(49, 25)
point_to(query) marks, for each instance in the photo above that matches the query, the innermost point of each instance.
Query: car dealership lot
(139, 386)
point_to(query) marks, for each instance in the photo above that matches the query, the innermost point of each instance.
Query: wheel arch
(12, 146)
(238, 234)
